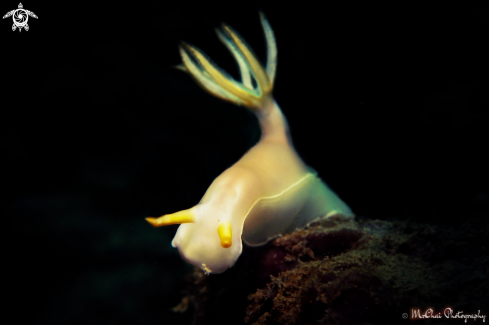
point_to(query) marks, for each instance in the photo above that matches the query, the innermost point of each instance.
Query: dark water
(388, 104)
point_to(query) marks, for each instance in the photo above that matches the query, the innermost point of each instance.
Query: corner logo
(20, 17)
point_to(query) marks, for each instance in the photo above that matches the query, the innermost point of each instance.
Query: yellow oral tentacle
(184, 216)
(225, 234)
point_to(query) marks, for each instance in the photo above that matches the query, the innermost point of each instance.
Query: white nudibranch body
(269, 191)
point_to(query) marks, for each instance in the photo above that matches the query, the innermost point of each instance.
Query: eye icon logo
(20, 17)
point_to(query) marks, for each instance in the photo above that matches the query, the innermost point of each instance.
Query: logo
(20, 17)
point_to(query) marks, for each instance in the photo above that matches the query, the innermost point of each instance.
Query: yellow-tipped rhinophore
(225, 234)
(184, 216)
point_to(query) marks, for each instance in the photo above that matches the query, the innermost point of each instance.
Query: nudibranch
(269, 191)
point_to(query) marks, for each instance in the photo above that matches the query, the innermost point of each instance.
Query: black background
(388, 103)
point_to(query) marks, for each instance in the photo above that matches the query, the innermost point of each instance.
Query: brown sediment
(342, 271)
